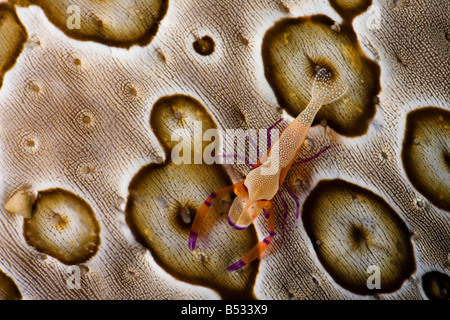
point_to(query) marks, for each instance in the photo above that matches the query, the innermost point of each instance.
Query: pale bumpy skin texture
(75, 116)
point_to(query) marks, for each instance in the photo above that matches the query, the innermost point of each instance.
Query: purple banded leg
(265, 213)
(231, 223)
(203, 211)
(313, 157)
(254, 144)
(269, 138)
(285, 206)
(297, 201)
(237, 265)
(283, 201)
(257, 250)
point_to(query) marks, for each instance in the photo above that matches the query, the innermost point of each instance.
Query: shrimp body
(266, 177)
(263, 181)
(255, 193)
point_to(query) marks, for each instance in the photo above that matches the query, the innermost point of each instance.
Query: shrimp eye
(240, 190)
(267, 205)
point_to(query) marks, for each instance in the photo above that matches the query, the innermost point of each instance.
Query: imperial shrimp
(254, 195)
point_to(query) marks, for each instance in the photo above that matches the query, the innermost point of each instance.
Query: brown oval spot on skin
(425, 154)
(114, 23)
(12, 38)
(293, 50)
(179, 112)
(436, 285)
(165, 231)
(63, 226)
(8, 289)
(348, 9)
(204, 46)
(164, 198)
(351, 229)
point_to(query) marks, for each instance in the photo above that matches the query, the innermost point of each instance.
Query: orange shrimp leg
(203, 211)
(257, 250)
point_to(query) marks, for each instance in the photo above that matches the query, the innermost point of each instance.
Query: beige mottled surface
(68, 105)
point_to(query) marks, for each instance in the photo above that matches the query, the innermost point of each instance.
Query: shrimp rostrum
(254, 195)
